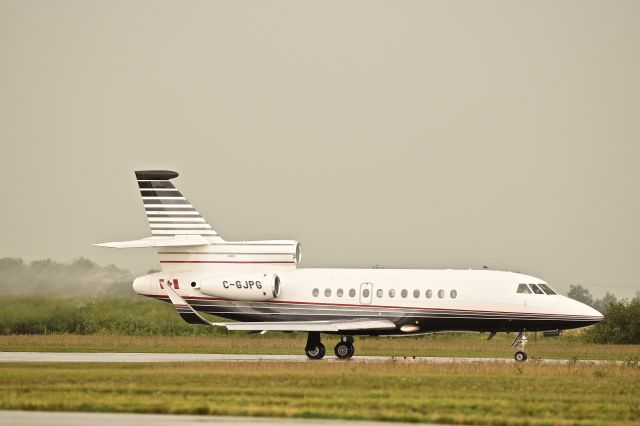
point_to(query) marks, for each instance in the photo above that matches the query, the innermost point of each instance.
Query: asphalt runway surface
(39, 418)
(187, 357)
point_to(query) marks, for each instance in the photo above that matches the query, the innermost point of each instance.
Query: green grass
(43, 314)
(491, 394)
(462, 345)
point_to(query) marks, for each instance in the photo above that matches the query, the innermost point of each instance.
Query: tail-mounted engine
(250, 287)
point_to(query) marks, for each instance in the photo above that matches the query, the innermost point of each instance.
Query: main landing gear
(316, 350)
(344, 349)
(519, 342)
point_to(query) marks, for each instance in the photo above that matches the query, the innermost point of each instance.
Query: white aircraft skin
(258, 284)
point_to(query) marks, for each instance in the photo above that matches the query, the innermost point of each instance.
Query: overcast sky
(409, 134)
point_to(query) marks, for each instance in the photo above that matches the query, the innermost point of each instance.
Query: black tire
(343, 350)
(323, 351)
(520, 356)
(352, 350)
(315, 352)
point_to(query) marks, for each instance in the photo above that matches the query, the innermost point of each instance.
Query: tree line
(621, 317)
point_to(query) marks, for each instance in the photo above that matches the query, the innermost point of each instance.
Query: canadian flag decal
(171, 283)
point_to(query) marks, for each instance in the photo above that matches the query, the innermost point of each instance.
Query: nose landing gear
(519, 342)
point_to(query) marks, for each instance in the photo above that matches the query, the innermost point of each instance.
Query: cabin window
(352, 293)
(392, 293)
(379, 292)
(416, 293)
(547, 289)
(429, 293)
(404, 293)
(315, 292)
(340, 292)
(365, 292)
(327, 292)
(536, 289)
(453, 294)
(522, 288)
(440, 294)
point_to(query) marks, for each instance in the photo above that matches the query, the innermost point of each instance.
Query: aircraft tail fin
(185, 241)
(169, 213)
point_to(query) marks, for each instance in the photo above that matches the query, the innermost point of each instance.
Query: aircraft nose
(587, 311)
(142, 285)
(595, 313)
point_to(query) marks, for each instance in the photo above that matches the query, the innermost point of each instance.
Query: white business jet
(258, 285)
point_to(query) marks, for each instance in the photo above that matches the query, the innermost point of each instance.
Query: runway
(49, 418)
(190, 357)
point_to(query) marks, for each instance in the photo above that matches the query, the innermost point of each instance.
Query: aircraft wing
(191, 316)
(177, 241)
(324, 325)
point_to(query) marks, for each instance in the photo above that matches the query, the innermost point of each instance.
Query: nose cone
(586, 311)
(142, 285)
(594, 313)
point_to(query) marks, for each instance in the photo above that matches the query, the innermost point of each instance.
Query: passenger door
(366, 293)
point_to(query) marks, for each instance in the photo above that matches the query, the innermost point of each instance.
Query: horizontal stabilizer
(171, 241)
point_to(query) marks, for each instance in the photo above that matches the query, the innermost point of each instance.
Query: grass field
(465, 345)
(96, 324)
(491, 394)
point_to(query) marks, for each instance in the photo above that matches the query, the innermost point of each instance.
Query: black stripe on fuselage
(372, 311)
(191, 318)
(428, 320)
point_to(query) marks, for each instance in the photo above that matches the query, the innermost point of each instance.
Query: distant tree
(80, 276)
(581, 294)
(621, 324)
(601, 304)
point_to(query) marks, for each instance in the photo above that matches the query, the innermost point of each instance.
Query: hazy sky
(399, 133)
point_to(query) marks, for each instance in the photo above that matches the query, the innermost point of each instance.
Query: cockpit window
(546, 289)
(522, 288)
(536, 289)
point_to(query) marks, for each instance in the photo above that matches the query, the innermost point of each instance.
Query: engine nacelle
(250, 287)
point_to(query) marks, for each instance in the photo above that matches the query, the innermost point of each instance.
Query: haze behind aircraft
(259, 284)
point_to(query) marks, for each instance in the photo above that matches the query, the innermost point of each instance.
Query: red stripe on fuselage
(161, 296)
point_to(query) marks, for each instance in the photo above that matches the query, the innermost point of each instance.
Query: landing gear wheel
(352, 350)
(314, 349)
(520, 342)
(315, 352)
(520, 356)
(344, 350)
